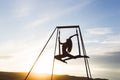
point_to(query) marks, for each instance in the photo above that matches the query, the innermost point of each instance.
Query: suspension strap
(78, 42)
(59, 43)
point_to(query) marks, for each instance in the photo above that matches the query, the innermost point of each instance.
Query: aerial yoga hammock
(66, 48)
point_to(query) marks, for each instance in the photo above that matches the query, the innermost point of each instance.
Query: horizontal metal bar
(72, 26)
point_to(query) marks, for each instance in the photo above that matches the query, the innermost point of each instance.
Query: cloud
(114, 53)
(22, 8)
(23, 11)
(100, 48)
(112, 39)
(111, 59)
(54, 13)
(92, 41)
(101, 41)
(79, 6)
(37, 22)
(99, 31)
(5, 57)
(111, 42)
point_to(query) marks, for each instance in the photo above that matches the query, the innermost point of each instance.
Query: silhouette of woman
(66, 48)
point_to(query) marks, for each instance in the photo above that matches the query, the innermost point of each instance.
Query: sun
(44, 65)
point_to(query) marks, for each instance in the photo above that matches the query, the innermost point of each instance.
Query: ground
(35, 76)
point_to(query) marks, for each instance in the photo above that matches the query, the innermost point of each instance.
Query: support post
(54, 56)
(85, 59)
(59, 43)
(78, 42)
(39, 55)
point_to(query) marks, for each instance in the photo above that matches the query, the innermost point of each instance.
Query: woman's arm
(59, 40)
(73, 35)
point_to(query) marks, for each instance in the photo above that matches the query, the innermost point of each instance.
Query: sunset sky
(26, 25)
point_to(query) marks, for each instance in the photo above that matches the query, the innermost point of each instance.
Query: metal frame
(64, 27)
(79, 39)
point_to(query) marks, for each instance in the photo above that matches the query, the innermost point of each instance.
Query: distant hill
(35, 76)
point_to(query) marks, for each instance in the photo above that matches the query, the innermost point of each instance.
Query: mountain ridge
(39, 76)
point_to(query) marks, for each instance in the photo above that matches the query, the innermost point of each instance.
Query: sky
(26, 25)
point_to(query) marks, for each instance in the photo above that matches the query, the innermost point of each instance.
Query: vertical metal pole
(84, 53)
(89, 68)
(59, 43)
(78, 43)
(54, 56)
(39, 55)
